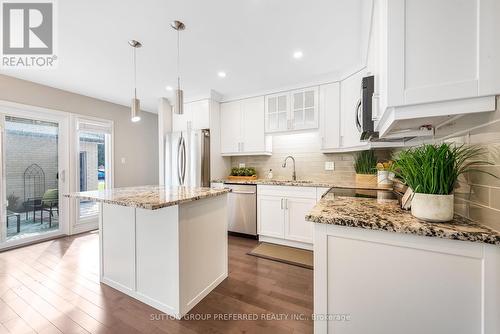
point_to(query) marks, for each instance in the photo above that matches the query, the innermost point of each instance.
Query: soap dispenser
(270, 174)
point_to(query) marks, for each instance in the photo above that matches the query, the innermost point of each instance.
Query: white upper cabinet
(242, 128)
(329, 107)
(434, 50)
(277, 111)
(489, 48)
(200, 114)
(435, 59)
(230, 127)
(196, 116)
(252, 114)
(304, 109)
(294, 110)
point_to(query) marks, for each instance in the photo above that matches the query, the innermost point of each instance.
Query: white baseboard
(284, 242)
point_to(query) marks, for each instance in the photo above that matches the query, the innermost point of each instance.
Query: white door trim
(43, 114)
(75, 225)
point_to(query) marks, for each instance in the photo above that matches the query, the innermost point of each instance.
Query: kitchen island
(165, 246)
(377, 269)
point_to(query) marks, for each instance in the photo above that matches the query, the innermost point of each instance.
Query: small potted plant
(432, 171)
(385, 175)
(365, 166)
(243, 174)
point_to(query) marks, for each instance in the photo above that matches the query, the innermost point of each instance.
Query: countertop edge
(290, 183)
(461, 229)
(477, 237)
(146, 206)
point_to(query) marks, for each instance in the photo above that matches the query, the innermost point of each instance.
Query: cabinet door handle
(286, 203)
(242, 147)
(282, 204)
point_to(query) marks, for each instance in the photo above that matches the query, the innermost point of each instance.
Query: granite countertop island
(390, 270)
(165, 246)
(149, 197)
(370, 213)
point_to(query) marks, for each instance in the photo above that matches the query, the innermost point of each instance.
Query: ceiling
(251, 40)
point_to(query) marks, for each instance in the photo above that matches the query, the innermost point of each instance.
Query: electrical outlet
(329, 165)
(242, 165)
(123, 160)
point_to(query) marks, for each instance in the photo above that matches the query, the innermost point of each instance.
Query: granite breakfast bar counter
(388, 272)
(165, 246)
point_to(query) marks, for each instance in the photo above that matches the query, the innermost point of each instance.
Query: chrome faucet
(294, 175)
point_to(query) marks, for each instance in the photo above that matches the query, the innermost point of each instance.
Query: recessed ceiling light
(221, 74)
(298, 54)
(169, 88)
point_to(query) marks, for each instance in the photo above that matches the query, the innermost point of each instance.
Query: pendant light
(135, 108)
(179, 94)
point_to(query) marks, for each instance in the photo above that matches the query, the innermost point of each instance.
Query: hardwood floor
(53, 287)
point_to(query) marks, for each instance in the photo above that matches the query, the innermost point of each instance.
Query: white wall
(136, 142)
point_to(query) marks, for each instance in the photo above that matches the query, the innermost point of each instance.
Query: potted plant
(243, 174)
(432, 171)
(385, 175)
(365, 165)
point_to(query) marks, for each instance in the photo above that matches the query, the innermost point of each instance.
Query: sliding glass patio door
(34, 164)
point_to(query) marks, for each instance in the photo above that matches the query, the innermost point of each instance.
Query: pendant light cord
(178, 60)
(135, 74)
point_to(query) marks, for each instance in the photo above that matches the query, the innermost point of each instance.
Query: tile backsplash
(310, 162)
(478, 195)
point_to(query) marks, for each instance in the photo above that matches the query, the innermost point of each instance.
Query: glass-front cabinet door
(304, 111)
(277, 109)
(292, 110)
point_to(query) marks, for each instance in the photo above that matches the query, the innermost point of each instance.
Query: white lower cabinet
(271, 216)
(296, 227)
(368, 281)
(281, 212)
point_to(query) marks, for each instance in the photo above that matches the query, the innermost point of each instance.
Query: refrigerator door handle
(205, 158)
(183, 160)
(179, 160)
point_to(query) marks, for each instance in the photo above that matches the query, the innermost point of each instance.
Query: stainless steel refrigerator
(187, 158)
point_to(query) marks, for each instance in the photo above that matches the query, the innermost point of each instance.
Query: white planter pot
(432, 208)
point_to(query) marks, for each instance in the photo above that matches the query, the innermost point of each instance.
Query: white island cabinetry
(378, 269)
(387, 282)
(166, 247)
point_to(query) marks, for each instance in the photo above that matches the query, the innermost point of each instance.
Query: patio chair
(49, 203)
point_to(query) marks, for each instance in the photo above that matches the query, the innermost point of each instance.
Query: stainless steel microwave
(364, 121)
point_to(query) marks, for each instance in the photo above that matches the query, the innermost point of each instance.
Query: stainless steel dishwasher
(242, 209)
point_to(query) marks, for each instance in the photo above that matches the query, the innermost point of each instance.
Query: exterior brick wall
(26, 148)
(92, 163)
